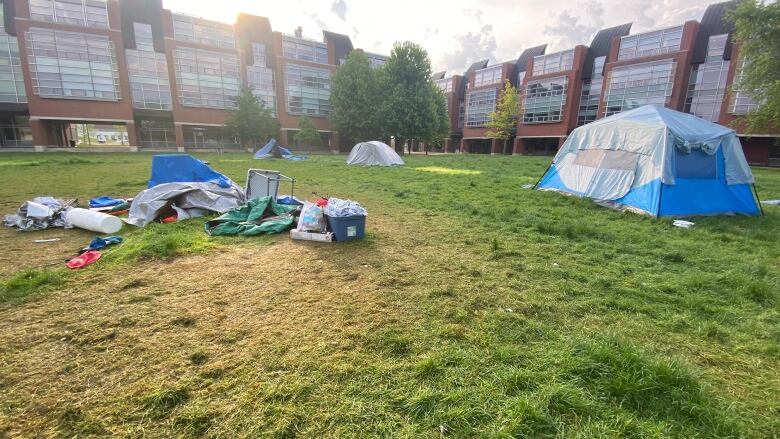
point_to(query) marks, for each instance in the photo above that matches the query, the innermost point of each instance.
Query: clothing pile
(40, 213)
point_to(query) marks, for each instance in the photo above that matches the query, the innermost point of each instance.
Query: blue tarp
(267, 152)
(184, 168)
(105, 201)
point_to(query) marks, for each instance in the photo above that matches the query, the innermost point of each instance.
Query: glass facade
(15, 131)
(445, 85)
(650, 43)
(553, 63)
(157, 134)
(488, 76)
(11, 78)
(591, 93)
(88, 13)
(148, 72)
(72, 65)
(635, 85)
(544, 100)
(202, 31)
(261, 78)
(741, 102)
(308, 90)
(207, 79)
(304, 49)
(707, 85)
(479, 105)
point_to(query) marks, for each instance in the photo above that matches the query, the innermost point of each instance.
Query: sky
(455, 33)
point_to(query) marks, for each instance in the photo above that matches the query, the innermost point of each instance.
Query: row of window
(308, 90)
(479, 105)
(553, 63)
(488, 76)
(200, 30)
(304, 49)
(544, 100)
(87, 13)
(650, 43)
(207, 79)
(148, 72)
(261, 78)
(445, 85)
(11, 77)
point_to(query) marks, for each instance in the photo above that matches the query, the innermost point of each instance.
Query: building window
(479, 105)
(308, 90)
(488, 76)
(650, 43)
(544, 100)
(11, 79)
(72, 65)
(461, 115)
(716, 45)
(261, 78)
(202, 31)
(445, 85)
(591, 93)
(553, 63)
(304, 50)
(706, 90)
(376, 60)
(635, 85)
(15, 131)
(520, 79)
(88, 13)
(207, 79)
(148, 72)
(741, 103)
(157, 134)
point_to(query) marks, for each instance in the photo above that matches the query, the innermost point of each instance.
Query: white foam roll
(94, 221)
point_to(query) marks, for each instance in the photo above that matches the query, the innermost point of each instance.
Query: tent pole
(758, 200)
(540, 178)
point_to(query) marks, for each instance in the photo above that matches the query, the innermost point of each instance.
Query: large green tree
(503, 121)
(439, 110)
(354, 98)
(251, 122)
(410, 109)
(757, 34)
(307, 134)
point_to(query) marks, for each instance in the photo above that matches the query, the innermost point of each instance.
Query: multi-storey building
(167, 80)
(689, 67)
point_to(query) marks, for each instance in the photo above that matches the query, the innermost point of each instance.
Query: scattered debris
(40, 213)
(683, 224)
(771, 202)
(93, 221)
(84, 259)
(44, 241)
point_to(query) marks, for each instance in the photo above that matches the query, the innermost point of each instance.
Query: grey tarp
(148, 204)
(373, 153)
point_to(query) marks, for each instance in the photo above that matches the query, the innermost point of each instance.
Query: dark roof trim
(713, 22)
(601, 45)
(528, 54)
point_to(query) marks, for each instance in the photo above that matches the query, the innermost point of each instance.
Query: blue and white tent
(655, 161)
(273, 149)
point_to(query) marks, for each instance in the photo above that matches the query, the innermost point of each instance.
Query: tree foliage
(502, 122)
(251, 122)
(354, 99)
(307, 134)
(757, 34)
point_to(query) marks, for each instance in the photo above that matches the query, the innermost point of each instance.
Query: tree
(409, 108)
(251, 122)
(757, 33)
(502, 121)
(307, 134)
(354, 99)
(439, 110)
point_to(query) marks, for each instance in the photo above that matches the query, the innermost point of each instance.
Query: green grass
(473, 308)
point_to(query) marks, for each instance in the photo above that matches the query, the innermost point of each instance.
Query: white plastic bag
(311, 219)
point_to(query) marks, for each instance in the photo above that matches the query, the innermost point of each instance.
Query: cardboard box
(307, 236)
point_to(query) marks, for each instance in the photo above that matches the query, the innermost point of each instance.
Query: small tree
(307, 134)
(757, 33)
(251, 122)
(502, 121)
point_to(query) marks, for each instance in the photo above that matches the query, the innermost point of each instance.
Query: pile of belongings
(40, 213)
(110, 205)
(259, 216)
(274, 150)
(182, 187)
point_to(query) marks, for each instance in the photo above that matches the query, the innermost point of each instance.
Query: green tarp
(257, 217)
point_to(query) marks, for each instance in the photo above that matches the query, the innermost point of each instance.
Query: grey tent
(373, 153)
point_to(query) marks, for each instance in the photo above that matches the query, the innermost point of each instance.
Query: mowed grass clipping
(473, 308)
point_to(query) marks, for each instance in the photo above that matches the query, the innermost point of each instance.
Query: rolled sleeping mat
(94, 221)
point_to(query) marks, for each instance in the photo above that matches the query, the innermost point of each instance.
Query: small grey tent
(373, 153)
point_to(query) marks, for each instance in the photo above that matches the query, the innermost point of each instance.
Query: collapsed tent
(655, 161)
(257, 217)
(177, 168)
(373, 153)
(186, 200)
(274, 150)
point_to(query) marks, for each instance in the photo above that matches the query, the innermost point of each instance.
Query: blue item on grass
(100, 243)
(184, 168)
(105, 201)
(347, 228)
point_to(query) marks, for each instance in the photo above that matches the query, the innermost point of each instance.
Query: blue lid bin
(347, 228)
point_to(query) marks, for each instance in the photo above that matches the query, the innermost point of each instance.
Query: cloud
(472, 47)
(568, 30)
(339, 7)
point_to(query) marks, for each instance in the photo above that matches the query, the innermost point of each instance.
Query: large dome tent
(656, 161)
(373, 153)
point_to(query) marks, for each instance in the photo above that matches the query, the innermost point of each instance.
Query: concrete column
(39, 134)
(519, 147)
(133, 139)
(496, 146)
(335, 140)
(179, 130)
(448, 145)
(464, 146)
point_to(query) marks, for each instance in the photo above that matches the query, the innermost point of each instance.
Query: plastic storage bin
(347, 228)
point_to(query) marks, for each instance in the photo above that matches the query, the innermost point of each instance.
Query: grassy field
(473, 308)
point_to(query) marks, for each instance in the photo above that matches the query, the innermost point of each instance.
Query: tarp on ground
(373, 153)
(168, 198)
(656, 161)
(273, 149)
(260, 216)
(184, 168)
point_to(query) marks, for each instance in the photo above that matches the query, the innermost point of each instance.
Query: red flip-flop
(84, 259)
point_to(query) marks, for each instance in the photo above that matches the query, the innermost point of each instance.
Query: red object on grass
(322, 202)
(84, 259)
(169, 219)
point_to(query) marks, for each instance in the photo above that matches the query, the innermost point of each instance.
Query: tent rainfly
(373, 153)
(655, 161)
